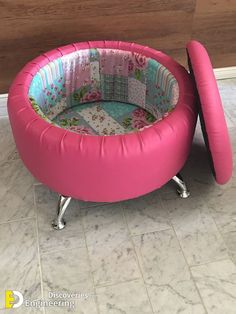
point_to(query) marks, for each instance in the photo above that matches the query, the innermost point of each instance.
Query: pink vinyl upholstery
(102, 168)
(212, 114)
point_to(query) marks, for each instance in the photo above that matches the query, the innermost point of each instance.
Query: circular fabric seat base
(104, 118)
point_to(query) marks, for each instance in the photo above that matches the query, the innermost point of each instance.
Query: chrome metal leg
(59, 223)
(182, 188)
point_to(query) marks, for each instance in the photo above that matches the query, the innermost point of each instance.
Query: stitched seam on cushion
(21, 110)
(43, 133)
(62, 141)
(30, 123)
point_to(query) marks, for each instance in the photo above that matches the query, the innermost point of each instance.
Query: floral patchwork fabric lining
(104, 118)
(65, 85)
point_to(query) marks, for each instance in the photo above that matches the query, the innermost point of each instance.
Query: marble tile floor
(157, 254)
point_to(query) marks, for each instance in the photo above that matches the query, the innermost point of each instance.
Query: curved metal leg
(182, 188)
(59, 223)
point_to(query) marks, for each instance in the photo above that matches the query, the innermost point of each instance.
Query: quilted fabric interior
(103, 91)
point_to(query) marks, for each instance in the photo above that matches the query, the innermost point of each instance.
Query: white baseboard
(3, 106)
(225, 73)
(220, 73)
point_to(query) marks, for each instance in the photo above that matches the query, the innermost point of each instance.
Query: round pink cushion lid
(213, 122)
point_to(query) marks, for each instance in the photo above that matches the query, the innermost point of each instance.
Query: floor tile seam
(137, 259)
(112, 284)
(90, 266)
(211, 262)
(38, 248)
(17, 220)
(187, 264)
(222, 236)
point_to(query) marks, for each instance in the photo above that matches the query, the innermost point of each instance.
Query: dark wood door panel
(31, 30)
(30, 27)
(215, 26)
(51, 9)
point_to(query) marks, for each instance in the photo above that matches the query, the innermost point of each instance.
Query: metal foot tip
(183, 194)
(58, 225)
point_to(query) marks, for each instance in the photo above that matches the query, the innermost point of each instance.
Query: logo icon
(13, 299)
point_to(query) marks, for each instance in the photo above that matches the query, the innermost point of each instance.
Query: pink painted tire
(102, 168)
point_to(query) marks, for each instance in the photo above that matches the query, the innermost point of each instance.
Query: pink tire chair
(103, 121)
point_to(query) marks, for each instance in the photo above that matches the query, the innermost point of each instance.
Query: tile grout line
(148, 232)
(139, 266)
(90, 263)
(95, 205)
(211, 262)
(189, 268)
(17, 220)
(116, 283)
(220, 233)
(37, 183)
(218, 229)
(38, 246)
(62, 249)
